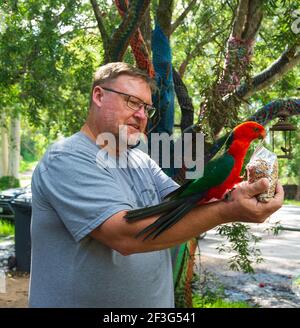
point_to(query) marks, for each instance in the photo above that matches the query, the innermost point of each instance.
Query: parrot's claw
(228, 196)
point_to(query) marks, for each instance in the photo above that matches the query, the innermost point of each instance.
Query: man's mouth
(135, 126)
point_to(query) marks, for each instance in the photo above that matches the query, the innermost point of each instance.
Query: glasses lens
(133, 103)
(136, 104)
(150, 111)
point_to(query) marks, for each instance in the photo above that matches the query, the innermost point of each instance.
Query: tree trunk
(14, 146)
(4, 146)
(164, 15)
(146, 29)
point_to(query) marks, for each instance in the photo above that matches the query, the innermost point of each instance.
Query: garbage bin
(6, 197)
(21, 206)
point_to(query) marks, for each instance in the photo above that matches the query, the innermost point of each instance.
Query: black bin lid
(12, 192)
(24, 199)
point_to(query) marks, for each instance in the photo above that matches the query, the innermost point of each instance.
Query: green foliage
(47, 60)
(291, 202)
(34, 142)
(212, 302)
(6, 228)
(212, 294)
(274, 229)
(49, 50)
(7, 182)
(240, 241)
(27, 165)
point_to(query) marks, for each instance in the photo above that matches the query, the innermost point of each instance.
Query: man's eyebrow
(140, 100)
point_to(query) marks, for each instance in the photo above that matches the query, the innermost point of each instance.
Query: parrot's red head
(249, 131)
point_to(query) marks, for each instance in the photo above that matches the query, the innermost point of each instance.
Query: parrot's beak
(262, 135)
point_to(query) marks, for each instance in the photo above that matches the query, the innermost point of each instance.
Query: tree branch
(274, 109)
(239, 22)
(195, 52)
(86, 28)
(104, 35)
(247, 21)
(184, 100)
(254, 19)
(121, 37)
(146, 29)
(164, 15)
(182, 16)
(287, 61)
(57, 18)
(137, 42)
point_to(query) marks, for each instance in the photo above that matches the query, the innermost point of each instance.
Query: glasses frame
(147, 108)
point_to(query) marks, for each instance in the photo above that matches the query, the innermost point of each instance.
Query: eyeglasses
(135, 103)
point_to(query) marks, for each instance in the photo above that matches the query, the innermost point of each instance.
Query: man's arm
(118, 234)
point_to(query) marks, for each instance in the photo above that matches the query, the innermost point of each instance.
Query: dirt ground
(16, 293)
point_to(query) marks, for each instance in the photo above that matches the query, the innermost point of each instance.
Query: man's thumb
(258, 187)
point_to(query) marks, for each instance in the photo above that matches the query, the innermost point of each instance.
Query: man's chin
(133, 139)
(130, 136)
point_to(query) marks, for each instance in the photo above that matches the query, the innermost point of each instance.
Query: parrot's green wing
(215, 172)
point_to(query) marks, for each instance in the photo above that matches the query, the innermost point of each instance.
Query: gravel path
(7, 252)
(273, 285)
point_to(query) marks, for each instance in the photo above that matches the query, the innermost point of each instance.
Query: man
(84, 253)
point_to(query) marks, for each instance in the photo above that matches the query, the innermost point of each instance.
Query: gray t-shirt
(73, 192)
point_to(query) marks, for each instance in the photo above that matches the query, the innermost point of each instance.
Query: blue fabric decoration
(163, 100)
(162, 62)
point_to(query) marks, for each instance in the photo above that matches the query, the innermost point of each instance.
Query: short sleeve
(82, 193)
(163, 182)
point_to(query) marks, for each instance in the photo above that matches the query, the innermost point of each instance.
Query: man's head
(110, 71)
(120, 96)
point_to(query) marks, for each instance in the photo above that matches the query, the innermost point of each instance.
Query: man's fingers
(279, 188)
(258, 187)
(279, 192)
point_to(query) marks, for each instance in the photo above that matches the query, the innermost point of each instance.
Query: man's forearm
(118, 234)
(197, 221)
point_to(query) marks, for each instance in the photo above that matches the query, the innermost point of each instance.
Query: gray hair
(111, 71)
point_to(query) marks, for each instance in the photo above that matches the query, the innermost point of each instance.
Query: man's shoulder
(75, 143)
(77, 148)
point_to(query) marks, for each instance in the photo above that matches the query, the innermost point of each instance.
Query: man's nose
(141, 113)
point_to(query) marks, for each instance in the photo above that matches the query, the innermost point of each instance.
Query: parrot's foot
(228, 196)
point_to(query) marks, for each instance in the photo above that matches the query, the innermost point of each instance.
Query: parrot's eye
(256, 129)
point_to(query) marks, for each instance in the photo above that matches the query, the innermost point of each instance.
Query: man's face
(113, 110)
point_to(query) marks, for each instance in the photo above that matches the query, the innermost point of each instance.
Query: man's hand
(244, 206)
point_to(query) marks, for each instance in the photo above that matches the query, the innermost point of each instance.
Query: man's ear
(97, 96)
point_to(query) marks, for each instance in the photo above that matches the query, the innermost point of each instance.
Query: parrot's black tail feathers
(167, 220)
(145, 212)
(178, 191)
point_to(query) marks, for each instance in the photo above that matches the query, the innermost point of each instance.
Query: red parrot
(221, 174)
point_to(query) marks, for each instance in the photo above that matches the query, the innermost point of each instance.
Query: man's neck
(88, 132)
(101, 143)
